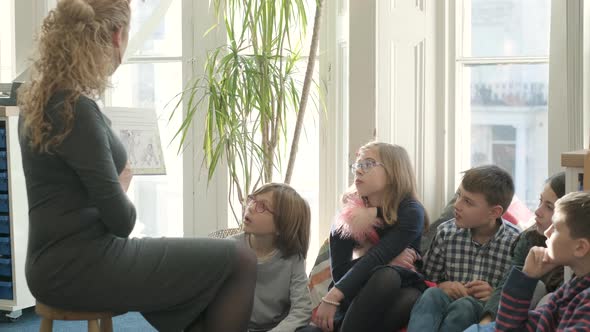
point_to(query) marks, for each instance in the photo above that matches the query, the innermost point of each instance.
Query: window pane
(165, 38)
(506, 27)
(509, 123)
(306, 172)
(158, 199)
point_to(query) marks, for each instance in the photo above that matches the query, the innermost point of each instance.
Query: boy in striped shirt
(568, 243)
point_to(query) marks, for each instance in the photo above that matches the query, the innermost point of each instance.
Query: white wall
(205, 203)
(566, 83)
(362, 74)
(396, 85)
(28, 17)
(407, 90)
(6, 40)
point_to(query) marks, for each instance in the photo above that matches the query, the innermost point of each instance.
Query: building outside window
(502, 80)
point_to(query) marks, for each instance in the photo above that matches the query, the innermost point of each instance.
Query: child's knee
(385, 278)
(434, 296)
(434, 293)
(465, 306)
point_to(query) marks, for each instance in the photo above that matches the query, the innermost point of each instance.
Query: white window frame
(203, 202)
(458, 95)
(334, 126)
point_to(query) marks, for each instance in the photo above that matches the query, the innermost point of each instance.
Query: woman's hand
(324, 316)
(125, 177)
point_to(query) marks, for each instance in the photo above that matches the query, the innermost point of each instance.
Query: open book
(138, 130)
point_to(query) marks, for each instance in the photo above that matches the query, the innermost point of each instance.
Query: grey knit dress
(79, 255)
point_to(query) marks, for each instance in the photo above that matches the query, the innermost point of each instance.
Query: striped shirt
(455, 256)
(568, 308)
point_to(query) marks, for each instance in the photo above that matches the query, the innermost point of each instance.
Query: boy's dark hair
(575, 207)
(493, 182)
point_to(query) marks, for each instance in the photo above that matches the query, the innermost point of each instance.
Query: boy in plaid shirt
(469, 254)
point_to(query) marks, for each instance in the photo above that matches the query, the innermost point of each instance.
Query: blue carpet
(29, 322)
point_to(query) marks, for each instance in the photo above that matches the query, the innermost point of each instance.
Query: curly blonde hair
(76, 56)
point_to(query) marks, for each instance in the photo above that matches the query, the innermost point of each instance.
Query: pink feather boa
(356, 222)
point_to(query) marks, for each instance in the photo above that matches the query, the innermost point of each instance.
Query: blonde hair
(400, 178)
(76, 57)
(292, 218)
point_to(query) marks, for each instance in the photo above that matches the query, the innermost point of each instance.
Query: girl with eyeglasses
(276, 227)
(374, 246)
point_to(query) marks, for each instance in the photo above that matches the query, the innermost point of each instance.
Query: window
(306, 171)
(502, 85)
(305, 177)
(150, 77)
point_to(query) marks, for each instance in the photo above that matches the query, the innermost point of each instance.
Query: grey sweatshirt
(281, 299)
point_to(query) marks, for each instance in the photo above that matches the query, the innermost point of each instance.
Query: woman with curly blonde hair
(80, 256)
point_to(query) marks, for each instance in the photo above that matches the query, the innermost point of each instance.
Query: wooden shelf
(574, 158)
(578, 159)
(6, 111)
(576, 163)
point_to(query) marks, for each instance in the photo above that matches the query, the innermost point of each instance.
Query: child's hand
(454, 289)
(538, 263)
(324, 317)
(479, 289)
(486, 319)
(406, 259)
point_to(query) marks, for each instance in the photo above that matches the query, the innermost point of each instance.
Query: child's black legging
(381, 305)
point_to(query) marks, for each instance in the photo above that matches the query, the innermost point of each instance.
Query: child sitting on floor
(276, 227)
(568, 244)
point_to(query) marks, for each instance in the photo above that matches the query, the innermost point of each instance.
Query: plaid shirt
(454, 256)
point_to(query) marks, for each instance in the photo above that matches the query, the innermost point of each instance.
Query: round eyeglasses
(364, 166)
(259, 206)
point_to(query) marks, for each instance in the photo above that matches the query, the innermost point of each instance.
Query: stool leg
(46, 325)
(93, 325)
(106, 324)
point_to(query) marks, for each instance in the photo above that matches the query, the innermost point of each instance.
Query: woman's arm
(88, 152)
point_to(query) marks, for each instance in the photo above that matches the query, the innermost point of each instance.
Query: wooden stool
(97, 321)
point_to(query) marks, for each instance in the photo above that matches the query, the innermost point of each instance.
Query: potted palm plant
(250, 89)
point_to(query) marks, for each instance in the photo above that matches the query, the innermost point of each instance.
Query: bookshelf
(577, 177)
(14, 219)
